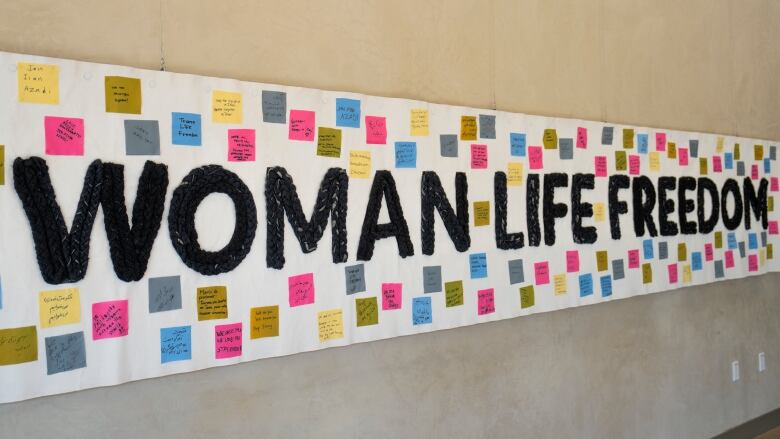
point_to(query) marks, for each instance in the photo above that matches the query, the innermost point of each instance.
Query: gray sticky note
(741, 168)
(718, 269)
(663, 250)
(741, 249)
(449, 145)
(763, 239)
(65, 352)
(432, 279)
(772, 153)
(566, 148)
(355, 278)
(274, 106)
(164, 293)
(617, 269)
(693, 148)
(516, 275)
(606, 135)
(487, 126)
(142, 137)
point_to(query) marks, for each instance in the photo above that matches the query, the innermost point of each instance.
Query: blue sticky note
(185, 129)
(753, 241)
(641, 143)
(586, 284)
(405, 154)
(175, 344)
(347, 113)
(767, 166)
(478, 265)
(422, 313)
(606, 286)
(732, 240)
(728, 160)
(696, 261)
(517, 144)
(647, 249)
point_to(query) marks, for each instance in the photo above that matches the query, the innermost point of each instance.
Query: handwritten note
(478, 265)
(633, 258)
(526, 296)
(620, 160)
(65, 353)
(572, 261)
(109, 319)
(432, 279)
(607, 134)
(453, 293)
(550, 138)
(516, 274)
(264, 322)
(142, 137)
(481, 213)
(671, 151)
(359, 164)
(600, 165)
(2, 165)
(227, 340)
(703, 166)
(274, 106)
(391, 296)
(517, 144)
(599, 212)
(633, 164)
(376, 130)
(328, 141)
(405, 155)
(487, 126)
(59, 307)
(479, 156)
(422, 312)
(301, 289)
(330, 325)
(660, 141)
(123, 95)
(175, 344)
(347, 113)
(514, 174)
(729, 258)
(468, 128)
(355, 278)
(486, 303)
(241, 145)
(301, 126)
(647, 249)
(647, 273)
(628, 138)
(752, 263)
(559, 284)
(38, 83)
(535, 157)
(226, 107)
(641, 143)
(212, 303)
(565, 148)
(655, 161)
(582, 137)
(682, 157)
(64, 135)
(542, 273)
(606, 285)
(682, 252)
(366, 311)
(18, 345)
(672, 271)
(602, 260)
(186, 129)
(418, 120)
(448, 145)
(717, 164)
(586, 284)
(758, 152)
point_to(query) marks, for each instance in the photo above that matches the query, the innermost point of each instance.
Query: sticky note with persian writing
(59, 307)
(366, 311)
(481, 213)
(227, 107)
(264, 321)
(301, 289)
(64, 135)
(514, 174)
(110, 319)
(212, 303)
(330, 325)
(38, 83)
(468, 128)
(18, 345)
(227, 340)
(328, 142)
(175, 344)
(419, 122)
(241, 145)
(359, 164)
(123, 95)
(65, 353)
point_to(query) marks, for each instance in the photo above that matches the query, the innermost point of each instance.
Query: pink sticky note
(774, 184)
(301, 125)
(391, 296)
(672, 273)
(109, 319)
(486, 303)
(633, 164)
(600, 163)
(542, 273)
(64, 135)
(572, 261)
(535, 156)
(717, 164)
(227, 340)
(241, 145)
(729, 255)
(709, 253)
(582, 137)
(772, 227)
(682, 156)
(752, 263)
(633, 258)
(376, 130)
(660, 141)
(301, 288)
(754, 172)
(479, 156)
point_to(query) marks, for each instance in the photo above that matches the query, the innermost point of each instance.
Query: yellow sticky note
(758, 152)
(550, 138)
(123, 95)
(328, 142)
(719, 145)
(264, 321)
(481, 213)
(330, 325)
(647, 273)
(212, 303)
(514, 175)
(736, 151)
(2, 165)
(599, 212)
(628, 138)
(468, 128)
(419, 122)
(226, 107)
(620, 161)
(59, 307)
(682, 252)
(359, 164)
(703, 165)
(687, 274)
(38, 83)
(718, 239)
(559, 282)
(18, 345)
(601, 260)
(526, 296)
(655, 161)
(671, 150)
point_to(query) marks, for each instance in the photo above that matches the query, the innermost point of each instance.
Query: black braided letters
(384, 187)
(504, 240)
(457, 224)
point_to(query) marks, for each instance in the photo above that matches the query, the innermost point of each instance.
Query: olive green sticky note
(647, 273)
(527, 296)
(453, 293)
(770, 204)
(481, 213)
(328, 142)
(366, 311)
(550, 138)
(264, 321)
(736, 151)
(212, 303)
(620, 160)
(770, 251)
(601, 260)
(468, 128)
(703, 165)
(18, 345)
(123, 95)
(682, 252)
(671, 150)
(718, 239)
(628, 138)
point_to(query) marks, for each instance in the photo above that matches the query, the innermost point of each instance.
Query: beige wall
(656, 366)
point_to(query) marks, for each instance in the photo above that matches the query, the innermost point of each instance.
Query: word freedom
(666, 206)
